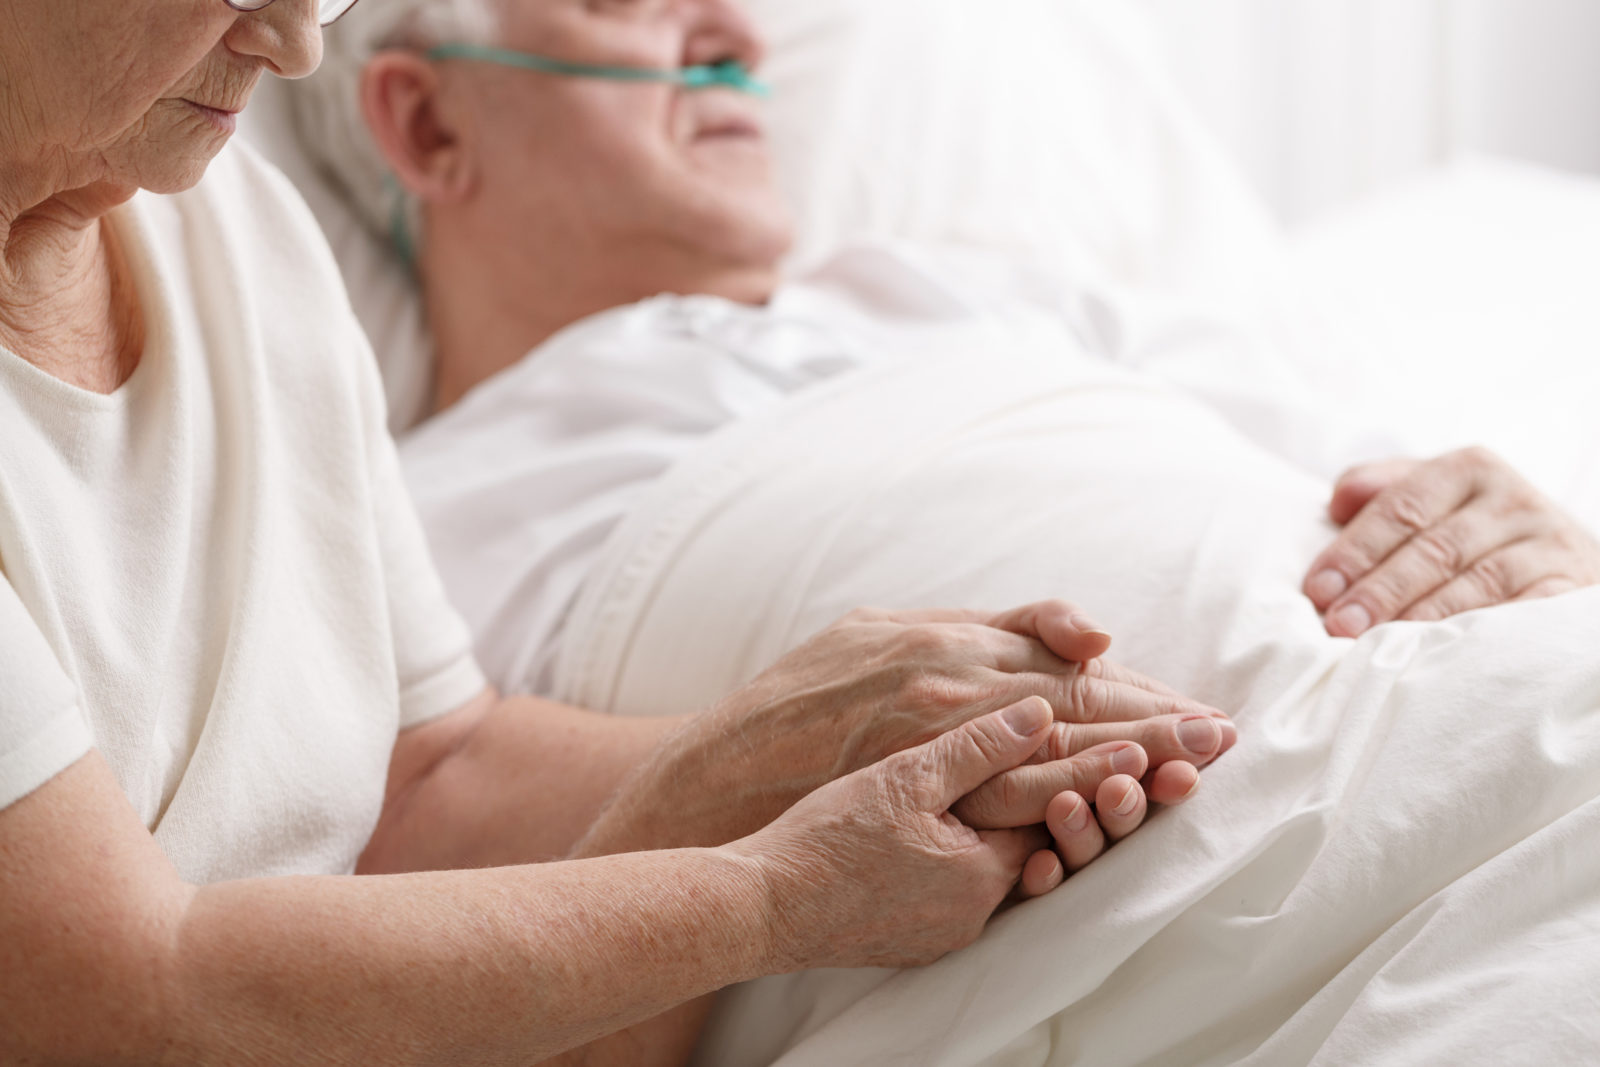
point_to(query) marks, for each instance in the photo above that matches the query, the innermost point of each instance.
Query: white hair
(327, 105)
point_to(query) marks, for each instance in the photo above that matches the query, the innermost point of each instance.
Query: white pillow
(1042, 126)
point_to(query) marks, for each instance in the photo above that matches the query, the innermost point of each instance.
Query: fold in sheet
(1395, 863)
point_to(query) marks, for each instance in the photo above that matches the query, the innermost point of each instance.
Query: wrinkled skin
(1427, 540)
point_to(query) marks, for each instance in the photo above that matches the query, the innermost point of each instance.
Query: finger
(1013, 653)
(1079, 839)
(1425, 563)
(1087, 698)
(1172, 783)
(1399, 513)
(1042, 873)
(1358, 485)
(1019, 797)
(1196, 739)
(1063, 627)
(976, 643)
(1115, 672)
(1120, 806)
(1548, 587)
(1495, 579)
(1018, 655)
(953, 764)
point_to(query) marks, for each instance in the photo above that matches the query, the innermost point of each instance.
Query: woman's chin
(177, 172)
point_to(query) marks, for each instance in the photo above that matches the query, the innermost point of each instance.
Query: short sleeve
(42, 727)
(433, 647)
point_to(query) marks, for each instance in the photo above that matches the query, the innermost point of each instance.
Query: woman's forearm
(485, 967)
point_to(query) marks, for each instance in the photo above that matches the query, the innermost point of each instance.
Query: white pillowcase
(1040, 126)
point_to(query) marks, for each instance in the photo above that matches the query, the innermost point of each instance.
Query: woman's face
(139, 93)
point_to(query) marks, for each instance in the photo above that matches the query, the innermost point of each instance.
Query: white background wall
(1324, 101)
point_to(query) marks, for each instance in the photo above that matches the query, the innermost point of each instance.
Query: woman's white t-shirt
(214, 575)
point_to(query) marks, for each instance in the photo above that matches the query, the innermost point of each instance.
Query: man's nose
(724, 31)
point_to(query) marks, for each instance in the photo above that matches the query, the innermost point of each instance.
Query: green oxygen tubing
(729, 74)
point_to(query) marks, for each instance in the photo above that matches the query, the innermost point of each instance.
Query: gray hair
(327, 105)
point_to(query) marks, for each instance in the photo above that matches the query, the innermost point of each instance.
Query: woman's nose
(286, 35)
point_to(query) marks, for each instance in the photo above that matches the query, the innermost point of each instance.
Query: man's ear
(426, 147)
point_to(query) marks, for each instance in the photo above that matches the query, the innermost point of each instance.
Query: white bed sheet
(1392, 864)
(1468, 298)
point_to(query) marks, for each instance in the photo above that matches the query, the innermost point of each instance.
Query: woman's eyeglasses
(328, 11)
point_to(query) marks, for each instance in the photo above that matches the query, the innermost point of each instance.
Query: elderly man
(553, 166)
(542, 190)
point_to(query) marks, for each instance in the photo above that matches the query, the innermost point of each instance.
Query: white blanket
(1398, 862)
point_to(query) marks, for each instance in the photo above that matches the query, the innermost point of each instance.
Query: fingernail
(1230, 733)
(1028, 718)
(1086, 625)
(1129, 801)
(1201, 736)
(1078, 821)
(1352, 620)
(1327, 586)
(1128, 761)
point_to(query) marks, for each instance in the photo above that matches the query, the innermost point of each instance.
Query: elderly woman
(226, 661)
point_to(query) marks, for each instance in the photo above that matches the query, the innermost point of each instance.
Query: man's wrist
(707, 785)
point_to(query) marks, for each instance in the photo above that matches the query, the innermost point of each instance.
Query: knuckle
(1061, 741)
(1010, 795)
(1403, 509)
(929, 642)
(930, 691)
(1492, 575)
(980, 741)
(1442, 551)
(1382, 592)
(859, 616)
(1083, 698)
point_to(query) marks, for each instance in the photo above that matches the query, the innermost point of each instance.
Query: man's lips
(744, 129)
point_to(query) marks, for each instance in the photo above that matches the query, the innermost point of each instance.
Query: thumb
(1358, 485)
(1062, 627)
(954, 764)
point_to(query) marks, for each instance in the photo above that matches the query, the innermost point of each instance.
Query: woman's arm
(107, 957)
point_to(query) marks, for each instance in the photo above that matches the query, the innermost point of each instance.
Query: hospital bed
(1333, 894)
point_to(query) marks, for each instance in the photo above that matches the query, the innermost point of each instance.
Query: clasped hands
(880, 683)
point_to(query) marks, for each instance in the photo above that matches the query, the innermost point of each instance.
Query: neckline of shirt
(134, 232)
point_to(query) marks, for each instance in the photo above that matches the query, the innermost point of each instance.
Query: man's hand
(1071, 772)
(877, 683)
(875, 870)
(1424, 541)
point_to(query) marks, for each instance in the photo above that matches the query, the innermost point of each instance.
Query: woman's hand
(875, 870)
(1425, 541)
(877, 683)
